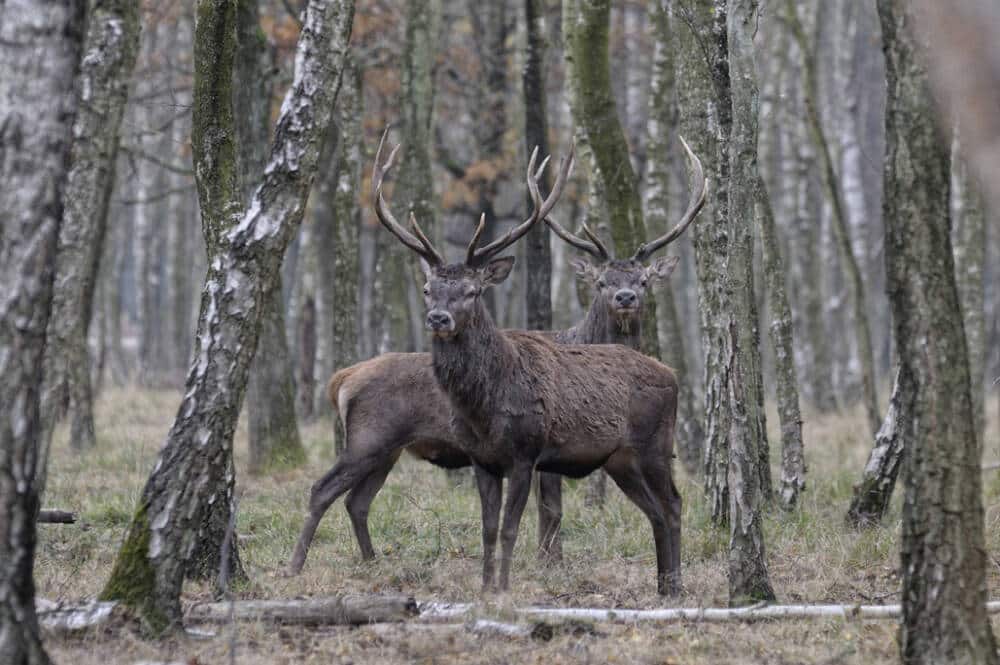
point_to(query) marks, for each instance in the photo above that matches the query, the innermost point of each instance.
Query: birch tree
(40, 46)
(748, 576)
(190, 488)
(110, 48)
(942, 549)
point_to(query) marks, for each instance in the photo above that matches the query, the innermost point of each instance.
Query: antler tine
(419, 243)
(470, 254)
(478, 256)
(422, 237)
(575, 241)
(594, 238)
(694, 207)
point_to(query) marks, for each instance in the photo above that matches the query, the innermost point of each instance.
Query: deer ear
(662, 267)
(583, 268)
(426, 268)
(496, 271)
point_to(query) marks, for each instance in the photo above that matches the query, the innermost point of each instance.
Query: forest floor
(426, 530)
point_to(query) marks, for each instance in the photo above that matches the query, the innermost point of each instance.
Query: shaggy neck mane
(470, 365)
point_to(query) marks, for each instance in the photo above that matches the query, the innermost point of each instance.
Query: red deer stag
(392, 402)
(522, 402)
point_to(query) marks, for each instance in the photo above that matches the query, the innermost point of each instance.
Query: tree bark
(272, 425)
(109, 55)
(748, 485)
(194, 469)
(969, 241)
(841, 224)
(873, 493)
(793, 464)
(40, 57)
(662, 123)
(943, 554)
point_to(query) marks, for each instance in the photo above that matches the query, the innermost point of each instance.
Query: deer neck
(471, 365)
(602, 327)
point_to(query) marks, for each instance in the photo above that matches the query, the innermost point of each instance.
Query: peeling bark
(194, 469)
(39, 57)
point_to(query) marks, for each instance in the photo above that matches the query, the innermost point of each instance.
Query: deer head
(453, 291)
(622, 284)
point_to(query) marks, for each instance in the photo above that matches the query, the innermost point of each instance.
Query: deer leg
(490, 488)
(627, 473)
(549, 496)
(518, 487)
(344, 475)
(359, 501)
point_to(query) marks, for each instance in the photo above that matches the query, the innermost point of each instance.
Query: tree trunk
(841, 224)
(873, 493)
(598, 116)
(272, 426)
(194, 470)
(969, 240)
(943, 554)
(109, 56)
(748, 485)
(703, 100)
(793, 464)
(662, 122)
(347, 226)
(39, 56)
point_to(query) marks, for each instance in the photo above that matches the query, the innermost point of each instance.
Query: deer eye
(601, 283)
(642, 282)
(427, 290)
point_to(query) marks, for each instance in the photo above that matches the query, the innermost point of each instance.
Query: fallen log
(56, 517)
(437, 611)
(73, 617)
(350, 609)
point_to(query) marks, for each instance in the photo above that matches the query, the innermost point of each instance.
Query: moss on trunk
(133, 578)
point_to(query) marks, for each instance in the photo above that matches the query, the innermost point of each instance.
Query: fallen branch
(432, 611)
(56, 517)
(335, 610)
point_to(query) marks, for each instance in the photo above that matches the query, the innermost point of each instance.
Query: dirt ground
(426, 528)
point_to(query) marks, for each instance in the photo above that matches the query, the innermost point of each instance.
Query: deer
(522, 402)
(418, 420)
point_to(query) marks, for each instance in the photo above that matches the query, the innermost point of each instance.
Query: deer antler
(594, 246)
(697, 201)
(417, 241)
(478, 256)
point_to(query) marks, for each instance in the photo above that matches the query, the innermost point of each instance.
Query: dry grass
(427, 532)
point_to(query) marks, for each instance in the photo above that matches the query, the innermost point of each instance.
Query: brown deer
(522, 402)
(393, 402)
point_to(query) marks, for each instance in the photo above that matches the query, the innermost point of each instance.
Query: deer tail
(334, 386)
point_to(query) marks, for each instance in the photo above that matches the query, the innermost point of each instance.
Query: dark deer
(393, 402)
(523, 402)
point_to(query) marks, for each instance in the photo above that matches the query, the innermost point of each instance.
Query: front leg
(490, 488)
(518, 487)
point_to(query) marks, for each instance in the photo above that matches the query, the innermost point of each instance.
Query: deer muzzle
(440, 323)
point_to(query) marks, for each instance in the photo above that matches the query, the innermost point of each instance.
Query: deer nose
(626, 298)
(438, 319)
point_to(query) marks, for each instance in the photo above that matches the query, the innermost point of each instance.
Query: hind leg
(345, 474)
(549, 496)
(628, 473)
(359, 501)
